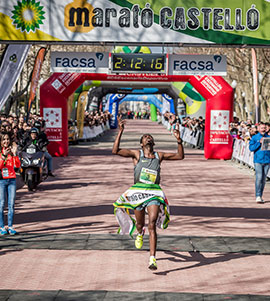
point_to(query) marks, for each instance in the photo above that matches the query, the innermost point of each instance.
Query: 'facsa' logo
(184, 65)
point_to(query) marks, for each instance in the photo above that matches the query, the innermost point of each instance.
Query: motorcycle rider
(40, 144)
(39, 138)
(32, 138)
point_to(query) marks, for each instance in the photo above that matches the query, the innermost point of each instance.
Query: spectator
(8, 161)
(261, 161)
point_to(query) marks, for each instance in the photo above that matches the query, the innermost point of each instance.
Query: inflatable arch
(115, 99)
(192, 102)
(171, 102)
(215, 90)
(152, 99)
(96, 94)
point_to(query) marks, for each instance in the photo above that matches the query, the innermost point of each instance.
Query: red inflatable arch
(217, 92)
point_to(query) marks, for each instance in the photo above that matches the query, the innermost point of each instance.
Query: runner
(146, 194)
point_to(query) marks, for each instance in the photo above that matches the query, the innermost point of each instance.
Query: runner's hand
(121, 123)
(176, 132)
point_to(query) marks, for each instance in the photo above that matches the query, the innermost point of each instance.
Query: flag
(35, 77)
(82, 102)
(11, 67)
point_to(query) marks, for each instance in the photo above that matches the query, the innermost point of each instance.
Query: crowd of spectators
(96, 118)
(245, 129)
(239, 129)
(17, 126)
(135, 114)
(194, 124)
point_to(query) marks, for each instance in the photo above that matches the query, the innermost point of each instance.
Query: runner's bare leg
(153, 211)
(140, 220)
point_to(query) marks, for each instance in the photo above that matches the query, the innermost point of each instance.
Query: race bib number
(5, 173)
(148, 176)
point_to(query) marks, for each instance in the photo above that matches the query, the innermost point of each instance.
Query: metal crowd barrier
(193, 138)
(95, 131)
(242, 153)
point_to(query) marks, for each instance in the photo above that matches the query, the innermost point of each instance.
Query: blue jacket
(260, 156)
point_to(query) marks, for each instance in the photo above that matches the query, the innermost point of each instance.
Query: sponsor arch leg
(219, 112)
(54, 95)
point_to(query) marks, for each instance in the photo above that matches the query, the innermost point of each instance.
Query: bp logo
(28, 15)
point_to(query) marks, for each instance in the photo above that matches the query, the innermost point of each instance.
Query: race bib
(5, 173)
(148, 176)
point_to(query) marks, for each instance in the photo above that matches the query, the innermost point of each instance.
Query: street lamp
(255, 85)
(233, 85)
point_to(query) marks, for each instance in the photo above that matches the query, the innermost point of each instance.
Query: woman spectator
(8, 161)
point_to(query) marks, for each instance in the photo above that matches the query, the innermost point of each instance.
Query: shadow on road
(199, 259)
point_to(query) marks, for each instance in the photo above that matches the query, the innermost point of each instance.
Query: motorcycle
(34, 167)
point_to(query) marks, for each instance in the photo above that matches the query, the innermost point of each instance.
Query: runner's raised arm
(116, 149)
(180, 150)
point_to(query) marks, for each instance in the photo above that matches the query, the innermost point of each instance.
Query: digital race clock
(138, 62)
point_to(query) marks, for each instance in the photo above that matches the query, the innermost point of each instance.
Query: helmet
(34, 130)
(37, 124)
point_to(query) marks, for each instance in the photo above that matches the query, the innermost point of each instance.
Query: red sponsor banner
(35, 76)
(53, 119)
(219, 137)
(209, 86)
(219, 127)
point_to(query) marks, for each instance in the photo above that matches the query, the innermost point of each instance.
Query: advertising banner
(194, 104)
(186, 64)
(35, 76)
(11, 67)
(114, 100)
(53, 119)
(84, 62)
(82, 102)
(219, 127)
(230, 22)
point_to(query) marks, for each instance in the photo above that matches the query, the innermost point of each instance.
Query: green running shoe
(152, 263)
(139, 240)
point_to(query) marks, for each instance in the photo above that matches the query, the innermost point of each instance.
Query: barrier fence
(194, 138)
(242, 153)
(94, 131)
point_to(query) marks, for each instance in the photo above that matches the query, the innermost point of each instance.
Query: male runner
(146, 193)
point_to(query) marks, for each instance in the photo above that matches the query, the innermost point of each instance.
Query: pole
(255, 85)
